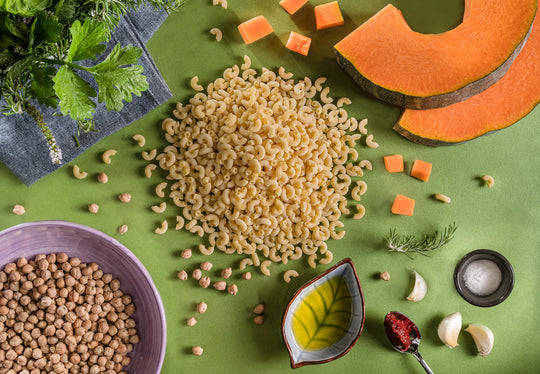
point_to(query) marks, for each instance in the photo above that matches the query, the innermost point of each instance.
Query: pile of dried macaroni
(262, 166)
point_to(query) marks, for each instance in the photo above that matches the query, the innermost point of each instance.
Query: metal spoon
(414, 335)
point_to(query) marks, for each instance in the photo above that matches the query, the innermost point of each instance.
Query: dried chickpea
(93, 208)
(124, 197)
(197, 351)
(259, 320)
(201, 307)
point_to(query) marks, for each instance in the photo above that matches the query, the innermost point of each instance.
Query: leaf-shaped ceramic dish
(325, 317)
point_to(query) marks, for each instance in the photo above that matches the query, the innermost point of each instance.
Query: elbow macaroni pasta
(261, 165)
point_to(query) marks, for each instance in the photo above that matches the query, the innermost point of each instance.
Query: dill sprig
(410, 243)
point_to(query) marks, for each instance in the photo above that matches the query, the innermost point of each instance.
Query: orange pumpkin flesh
(501, 105)
(421, 71)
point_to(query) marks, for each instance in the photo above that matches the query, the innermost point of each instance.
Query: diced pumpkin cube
(403, 205)
(328, 15)
(298, 43)
(292, 6)
(421, 170)
(255, 29)
(393, 163)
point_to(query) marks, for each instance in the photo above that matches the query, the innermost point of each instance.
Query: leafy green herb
(42, 44)
(409, 243)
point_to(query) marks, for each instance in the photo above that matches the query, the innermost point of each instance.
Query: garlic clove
(420, 288)
(483, 337)
(449, 329)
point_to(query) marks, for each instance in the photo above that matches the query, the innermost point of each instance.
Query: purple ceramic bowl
(90, 245)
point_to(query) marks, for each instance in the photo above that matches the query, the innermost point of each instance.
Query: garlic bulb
(420, 288)
(483, 337)
(449, 329)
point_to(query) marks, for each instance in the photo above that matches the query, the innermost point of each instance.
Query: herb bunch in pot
(46, 53)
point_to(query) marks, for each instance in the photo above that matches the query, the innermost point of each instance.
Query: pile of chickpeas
(60, 315)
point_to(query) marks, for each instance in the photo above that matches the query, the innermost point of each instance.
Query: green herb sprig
(410, 243)
(42, 46)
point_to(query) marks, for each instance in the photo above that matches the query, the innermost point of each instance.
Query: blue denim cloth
(23, 148)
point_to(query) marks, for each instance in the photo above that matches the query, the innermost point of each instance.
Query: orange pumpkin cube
(403, 205)
(421, 170)
(292, 6)
(255, 29)
(298, 43)
(328, 15)
(393, 163)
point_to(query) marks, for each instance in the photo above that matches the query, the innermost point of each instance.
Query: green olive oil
(323, 315)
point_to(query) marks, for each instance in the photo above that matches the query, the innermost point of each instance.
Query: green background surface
(503, 218)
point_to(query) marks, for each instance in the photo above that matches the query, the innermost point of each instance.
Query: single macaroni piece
(343, 101)
(283, 74)
(148, 169)
(370, 142)
(324, 96)
(78, 173)
(217, 33)
(179, 222)
(489, 180)
(149, 156)
(264, 267)
(159, 189)
(360, 211)
(319, 82)
(195, 84)
(245, 262)
(223, 3)
(327, 258)
(366, 164)
(139, 139)
(106, 157)
(247, 64)
(362, 126)
(163, 228)
(443, 198)
(289, 274)
(207, 251)
(312, 260)
(159, 208)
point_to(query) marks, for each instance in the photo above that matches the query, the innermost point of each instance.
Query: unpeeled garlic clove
(419, 289)
(483, 337)
(449, 329)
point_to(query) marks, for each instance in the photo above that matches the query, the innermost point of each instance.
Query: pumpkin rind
(501, 105)
(423, 71)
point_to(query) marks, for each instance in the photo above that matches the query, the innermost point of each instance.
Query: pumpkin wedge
(422, 71)
(501, 105)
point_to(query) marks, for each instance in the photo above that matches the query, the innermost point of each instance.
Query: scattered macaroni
(360, 211)
(223, 3)
(489, 180)
(139, 139)
(217, 33)
(159, 189)
(289, 274)
(148, 170)
(106, 157)
(370, 142)
(327, 258)
(245, 262)
(207, 251)
(163, 228)
(195, 84)
(159, 208)
(78, 173)
(264, 267)
(179, 222)
(149, 156)
(443, 198)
